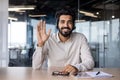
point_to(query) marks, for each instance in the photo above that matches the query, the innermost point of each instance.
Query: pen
(98, 73)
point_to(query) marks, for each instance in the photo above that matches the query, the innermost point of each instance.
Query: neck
(62, 38)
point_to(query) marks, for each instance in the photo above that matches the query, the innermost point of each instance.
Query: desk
(26, 73)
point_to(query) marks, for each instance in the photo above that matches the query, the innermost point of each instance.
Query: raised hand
(42, 36)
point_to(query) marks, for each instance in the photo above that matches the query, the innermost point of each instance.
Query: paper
(93, 75)
(101, 74)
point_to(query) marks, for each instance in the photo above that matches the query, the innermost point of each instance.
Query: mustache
(65, 28)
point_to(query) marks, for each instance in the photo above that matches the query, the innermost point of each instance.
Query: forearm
(37, 58)
(85, 65)
(87, 61)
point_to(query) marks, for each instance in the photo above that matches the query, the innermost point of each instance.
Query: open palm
(42, 36)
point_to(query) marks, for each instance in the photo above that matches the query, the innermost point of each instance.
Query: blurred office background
(98, 20)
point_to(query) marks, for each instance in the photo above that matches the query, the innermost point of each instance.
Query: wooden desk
(26, 73)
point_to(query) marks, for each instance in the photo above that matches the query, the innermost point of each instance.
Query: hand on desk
(71, 69)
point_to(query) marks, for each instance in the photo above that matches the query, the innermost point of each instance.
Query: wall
(3, 33)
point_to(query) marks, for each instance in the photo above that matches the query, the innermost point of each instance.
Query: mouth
(65, 32)
(66, 29)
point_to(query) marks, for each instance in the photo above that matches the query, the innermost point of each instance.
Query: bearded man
(65, 48)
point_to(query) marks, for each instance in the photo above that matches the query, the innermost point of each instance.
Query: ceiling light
(20, 11)
(12, 18)
(38, 15)
(88, 14)
(97, 13)
(18, 8)
(113, 16)
(80, 20)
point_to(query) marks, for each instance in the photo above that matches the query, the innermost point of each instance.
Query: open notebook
(93, 75)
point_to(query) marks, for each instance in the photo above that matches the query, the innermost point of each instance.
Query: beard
(65, 31)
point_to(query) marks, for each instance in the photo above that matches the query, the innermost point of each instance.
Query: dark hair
(65, 11)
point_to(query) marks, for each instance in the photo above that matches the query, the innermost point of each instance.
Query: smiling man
(66, 48)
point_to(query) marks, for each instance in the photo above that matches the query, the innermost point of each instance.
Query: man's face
(65, 25)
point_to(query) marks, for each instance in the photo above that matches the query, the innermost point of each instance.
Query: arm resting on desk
(87, 61)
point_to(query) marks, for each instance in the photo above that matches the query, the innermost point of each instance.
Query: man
(64, 49)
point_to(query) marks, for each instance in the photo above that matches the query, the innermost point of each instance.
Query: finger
(41, 24)
(41, 27)
(74, 72)
(49, 31)
(38, 36)
(38, 30)
(44, 26)
(66, 67)
(38, 27)
(69, 69)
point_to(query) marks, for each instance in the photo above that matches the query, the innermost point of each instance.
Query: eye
(62, 21)
(70, 22)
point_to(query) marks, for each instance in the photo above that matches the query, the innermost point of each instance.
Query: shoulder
(78, 35)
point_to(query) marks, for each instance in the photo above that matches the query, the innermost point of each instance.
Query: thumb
(49, 31)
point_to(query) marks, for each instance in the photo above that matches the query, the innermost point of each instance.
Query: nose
(65, 24)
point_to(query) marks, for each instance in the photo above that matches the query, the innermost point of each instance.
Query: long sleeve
(38, 57)
(75, 51)
(86, 57)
